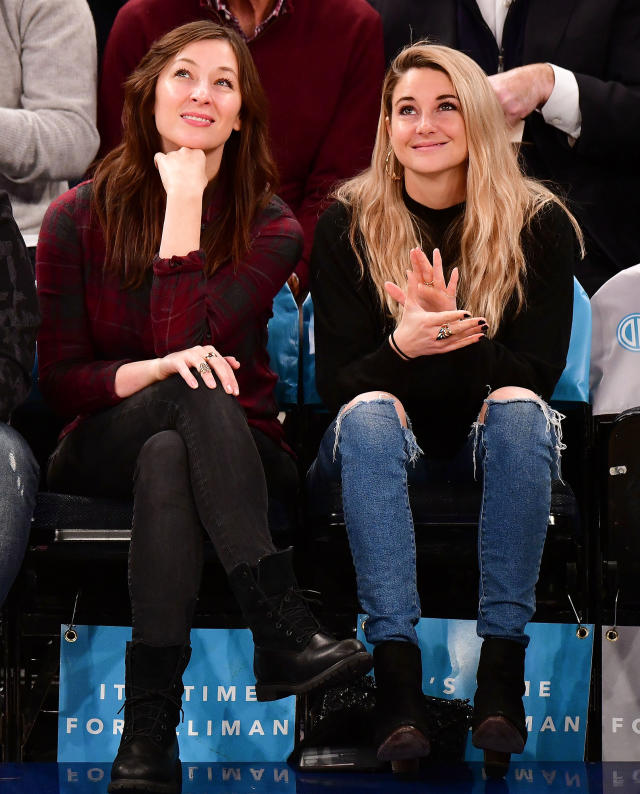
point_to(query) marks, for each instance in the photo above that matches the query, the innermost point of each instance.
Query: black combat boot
(499, 726)
(292, 654)
(148, 758)
(401, 728)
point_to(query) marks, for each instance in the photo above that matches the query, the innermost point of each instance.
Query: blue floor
(534, 778)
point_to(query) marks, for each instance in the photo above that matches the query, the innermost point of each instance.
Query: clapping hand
(433, 292)
(423, 331)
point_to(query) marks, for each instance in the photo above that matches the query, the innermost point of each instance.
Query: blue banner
(557, 674)
(223, 721)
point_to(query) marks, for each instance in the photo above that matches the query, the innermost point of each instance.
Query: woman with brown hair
(469, 343)
(173, 253)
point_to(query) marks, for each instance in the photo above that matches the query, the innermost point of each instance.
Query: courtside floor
(533, 778)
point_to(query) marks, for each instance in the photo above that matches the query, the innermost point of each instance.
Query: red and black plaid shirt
(91, 325)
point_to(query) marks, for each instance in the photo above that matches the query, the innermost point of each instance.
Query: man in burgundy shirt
(321, 63)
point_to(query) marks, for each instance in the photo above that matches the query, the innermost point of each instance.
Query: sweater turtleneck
(432, 223)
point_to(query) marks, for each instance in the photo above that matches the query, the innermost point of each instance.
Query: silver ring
(444, 332)
(204, 367)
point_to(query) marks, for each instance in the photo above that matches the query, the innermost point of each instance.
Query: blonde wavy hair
(500, 200)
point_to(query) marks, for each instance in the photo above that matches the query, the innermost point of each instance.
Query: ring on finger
(204, 367)
(429, 283)
(214, 354)
(444, 332)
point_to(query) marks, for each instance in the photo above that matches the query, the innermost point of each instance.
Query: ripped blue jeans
(516, 452)
(18, 488)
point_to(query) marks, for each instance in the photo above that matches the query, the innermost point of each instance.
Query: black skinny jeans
(192, 462)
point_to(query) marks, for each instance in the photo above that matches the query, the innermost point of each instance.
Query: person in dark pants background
(19, 321)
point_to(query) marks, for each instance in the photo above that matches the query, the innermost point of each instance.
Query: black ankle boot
(499, 726)
(401, 728)
(147, 758)
(292, 654)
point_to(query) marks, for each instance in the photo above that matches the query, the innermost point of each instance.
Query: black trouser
(192, 462)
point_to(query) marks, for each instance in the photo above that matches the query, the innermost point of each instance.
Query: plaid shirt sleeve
(72, 377)
(188, 309)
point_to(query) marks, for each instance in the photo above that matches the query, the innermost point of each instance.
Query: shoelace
(292, 607)
(148, 710)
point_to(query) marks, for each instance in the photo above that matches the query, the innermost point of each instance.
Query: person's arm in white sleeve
(562, 109)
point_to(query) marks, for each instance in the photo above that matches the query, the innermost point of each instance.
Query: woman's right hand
(199, 357)
(418, 329)
(182, 171)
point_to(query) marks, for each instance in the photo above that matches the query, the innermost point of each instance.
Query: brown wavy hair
(128, 196)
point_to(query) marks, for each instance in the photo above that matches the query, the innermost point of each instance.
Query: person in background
(156, 282)
(47, 104)
(571, 71)
(19, 321)
(320, 64)
(468, 342)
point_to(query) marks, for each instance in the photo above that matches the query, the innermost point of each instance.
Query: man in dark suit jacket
(586, 141)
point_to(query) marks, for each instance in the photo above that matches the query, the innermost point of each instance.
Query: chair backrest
(615, 349)
(283, 346)
(310, 394)
(573, 385)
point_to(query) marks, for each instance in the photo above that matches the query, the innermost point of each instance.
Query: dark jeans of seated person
(192, 463)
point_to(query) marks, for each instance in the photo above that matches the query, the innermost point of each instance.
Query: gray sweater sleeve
(47, 113)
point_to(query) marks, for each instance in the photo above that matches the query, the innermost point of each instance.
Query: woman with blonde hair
(468, 342)
(156, 281)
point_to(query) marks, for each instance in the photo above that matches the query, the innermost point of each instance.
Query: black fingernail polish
(481, 322)
(466, 314)
(485, 329)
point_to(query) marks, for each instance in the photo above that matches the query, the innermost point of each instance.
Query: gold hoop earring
(387, 167)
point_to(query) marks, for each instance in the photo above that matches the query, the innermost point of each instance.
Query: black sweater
(442, 394)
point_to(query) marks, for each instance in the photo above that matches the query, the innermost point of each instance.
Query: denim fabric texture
(516, 454)
(194, 466)
(19, 477)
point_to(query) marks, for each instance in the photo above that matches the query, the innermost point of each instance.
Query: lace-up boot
(147, 758)
(292, 653)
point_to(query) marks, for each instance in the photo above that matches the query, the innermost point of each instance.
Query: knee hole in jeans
(372, 396)
(507, 394)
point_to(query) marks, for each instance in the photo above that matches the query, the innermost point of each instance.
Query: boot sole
(144, 785)
(496, 765)
(341, 672)
(403, 744)
(152, 786)
(499, 734)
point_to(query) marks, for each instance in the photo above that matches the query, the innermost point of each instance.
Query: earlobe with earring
(390, 172)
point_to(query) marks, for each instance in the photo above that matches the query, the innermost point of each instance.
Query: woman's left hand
(432, 292)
